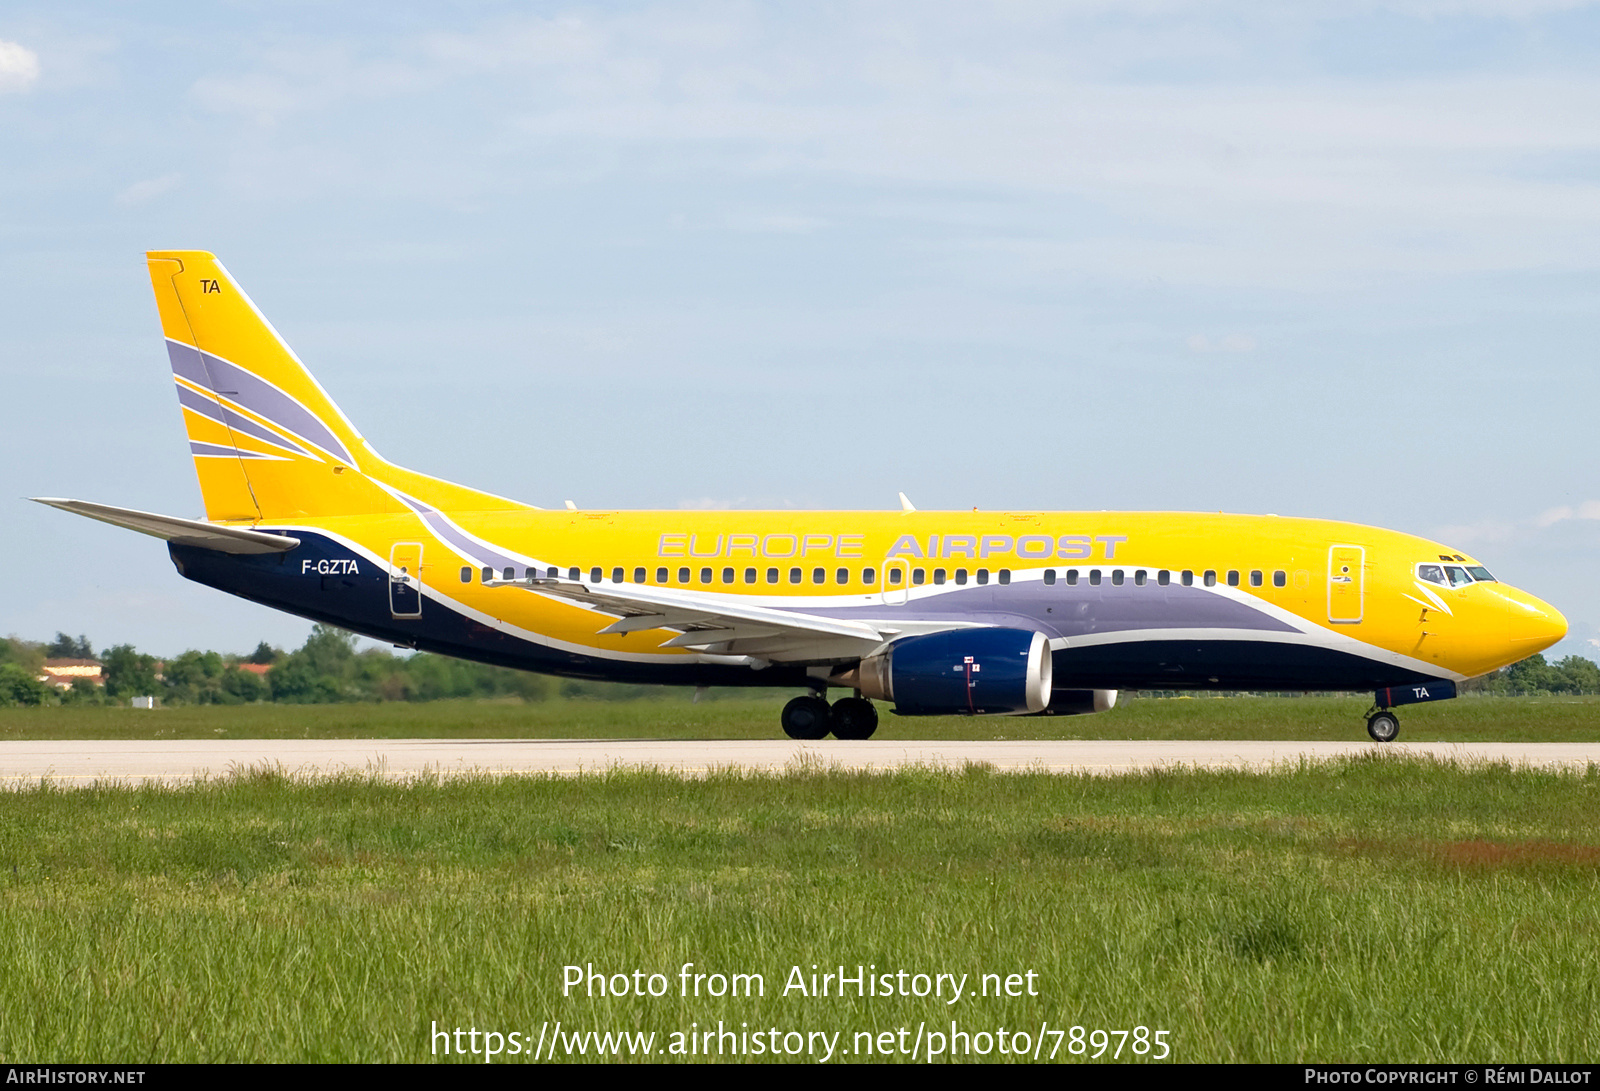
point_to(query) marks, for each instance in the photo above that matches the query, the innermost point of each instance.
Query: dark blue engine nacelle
(972, 671)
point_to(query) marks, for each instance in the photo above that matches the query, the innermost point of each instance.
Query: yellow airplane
(934, 612)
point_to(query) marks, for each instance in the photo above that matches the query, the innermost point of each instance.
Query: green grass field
(1468, 719)
(1373, 909)
(1377, 909)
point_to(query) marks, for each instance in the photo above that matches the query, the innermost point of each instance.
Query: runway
(82, 763)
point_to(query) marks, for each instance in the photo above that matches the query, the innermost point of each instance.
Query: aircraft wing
(717, 624)
(189, 532)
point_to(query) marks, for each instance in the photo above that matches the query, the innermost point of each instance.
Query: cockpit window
(1481, 574)
(1432, 573)
(1458, 576)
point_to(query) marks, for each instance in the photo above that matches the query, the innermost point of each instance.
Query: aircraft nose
(1531, 625)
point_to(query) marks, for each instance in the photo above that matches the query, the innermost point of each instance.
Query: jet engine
(972, 671)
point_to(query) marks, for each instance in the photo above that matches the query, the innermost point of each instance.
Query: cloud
(1187, 142)
(1497, 532)
(150, 188)
(1589, 509)
(19, 67)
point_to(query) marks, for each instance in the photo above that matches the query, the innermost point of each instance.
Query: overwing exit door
(895, 577)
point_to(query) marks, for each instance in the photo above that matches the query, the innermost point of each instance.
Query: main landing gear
(809, 717)
(1383, 726)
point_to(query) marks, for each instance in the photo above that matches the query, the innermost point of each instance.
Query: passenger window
(1188, 578)
(1049, 577)
(1233, 577)
(574, 573)
(727, 575)
(662, 575)
(819, 575)
(1163, 577)
(1211, 577)
(1094, 577)
(1139, 577)
(488, 573)
(638, 575)
(983, 575)
(1004, 576)
(841, 576)
(1116, 577)
(795, 575)
(938, 576)
(466, 574)
(749, 575)
(1255, 577)
(1072, 576)
(617, 574)
(961, 577)
(1280, 578)
(683, 575)
(772, 575)
(869, 576)
(553, 572)
(705, 575)
(919, 576)
(596, 574)
(894, 576)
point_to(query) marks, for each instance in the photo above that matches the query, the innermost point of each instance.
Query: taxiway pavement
(184, 760)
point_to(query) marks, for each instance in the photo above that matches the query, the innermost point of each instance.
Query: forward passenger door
(1346, 584)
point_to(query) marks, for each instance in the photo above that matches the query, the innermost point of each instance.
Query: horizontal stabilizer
(189, 532)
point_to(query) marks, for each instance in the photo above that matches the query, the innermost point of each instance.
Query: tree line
(326, 669)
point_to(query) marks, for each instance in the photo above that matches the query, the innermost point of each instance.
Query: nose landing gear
(1383, 726)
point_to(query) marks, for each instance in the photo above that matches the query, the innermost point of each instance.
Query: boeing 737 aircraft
(934, 612)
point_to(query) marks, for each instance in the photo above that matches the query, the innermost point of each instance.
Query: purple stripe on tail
(257, 395)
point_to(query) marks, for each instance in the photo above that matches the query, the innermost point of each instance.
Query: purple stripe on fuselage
(466, 546)
(260, 397)
(448, 533)
(1066, 610)
(220, 413)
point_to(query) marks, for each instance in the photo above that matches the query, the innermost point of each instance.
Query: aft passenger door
(1346, 584)
(405, 580)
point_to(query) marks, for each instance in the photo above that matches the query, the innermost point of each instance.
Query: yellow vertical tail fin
(268, 442)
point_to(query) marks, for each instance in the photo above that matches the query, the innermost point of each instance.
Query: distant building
(61, 673)
(256, 668)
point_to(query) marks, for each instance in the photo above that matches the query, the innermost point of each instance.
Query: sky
(1328, 259)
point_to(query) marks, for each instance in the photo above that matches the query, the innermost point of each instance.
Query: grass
(1469, 719)
(1366, 910)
